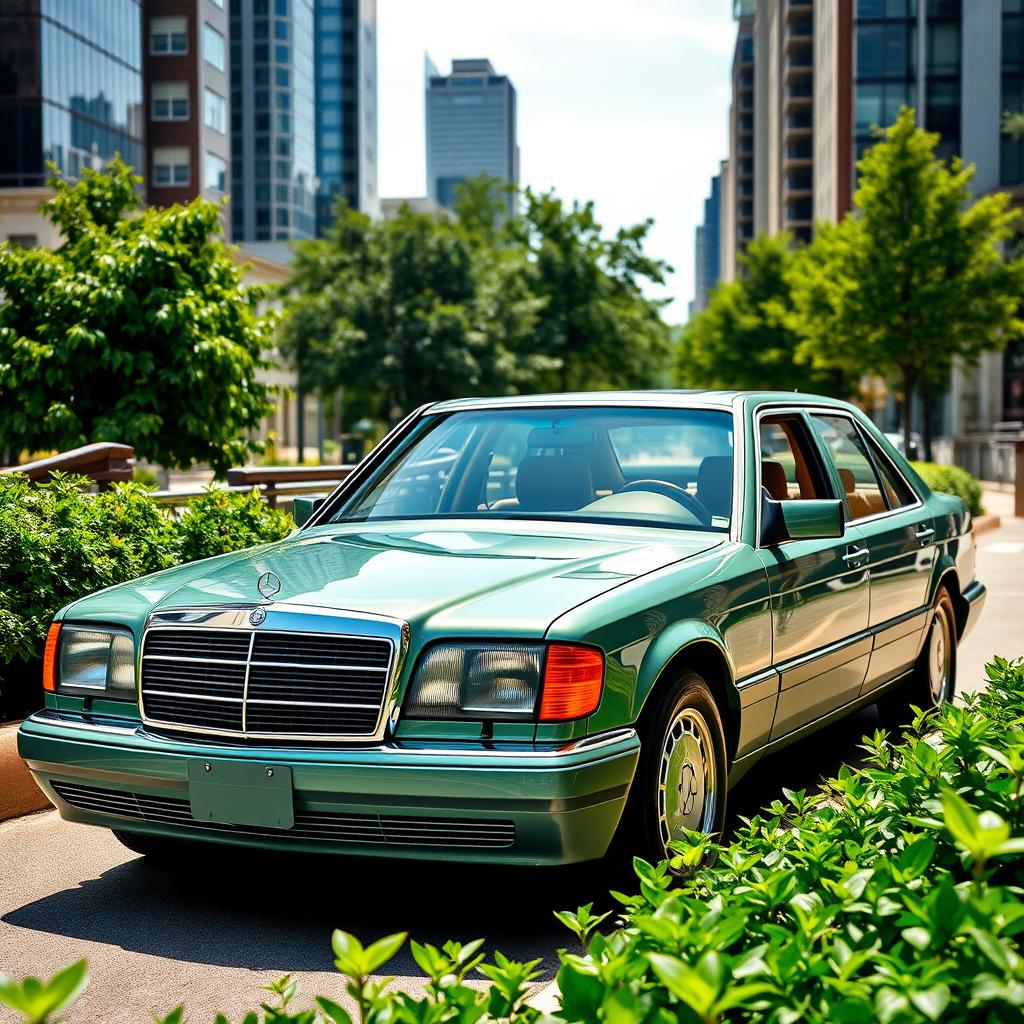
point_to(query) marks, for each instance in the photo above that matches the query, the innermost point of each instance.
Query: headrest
(773, 479)
(714, 484)
(849, 481)
(553, 483)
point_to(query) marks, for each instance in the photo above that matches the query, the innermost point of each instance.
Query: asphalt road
(210, 934)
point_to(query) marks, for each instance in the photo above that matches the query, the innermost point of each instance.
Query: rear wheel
(680, 783)
(933, 679)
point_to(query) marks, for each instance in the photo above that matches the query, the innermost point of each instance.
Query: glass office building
(471, 128)
(346, 106)
(273, 112)
(71, 87)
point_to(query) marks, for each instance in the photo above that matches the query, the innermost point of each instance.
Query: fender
(670, 648)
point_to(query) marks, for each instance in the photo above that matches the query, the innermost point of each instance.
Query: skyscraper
(71, 87)
(186, 74)
(346, 106)
(707, 248)
(471, 128)
(273, 112)
(737, 187)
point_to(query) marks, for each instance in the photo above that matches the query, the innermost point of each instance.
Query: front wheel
(680, 783)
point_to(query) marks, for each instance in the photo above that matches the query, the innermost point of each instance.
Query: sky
(623, 102)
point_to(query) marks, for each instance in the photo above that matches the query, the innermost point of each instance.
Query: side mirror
(814, 519)
(303, 507)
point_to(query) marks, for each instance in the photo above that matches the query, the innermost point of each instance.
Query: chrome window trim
(731, 406)
(832, 410)
(235, 620)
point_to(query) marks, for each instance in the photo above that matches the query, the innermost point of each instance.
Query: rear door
(819, 588)
(899, 538)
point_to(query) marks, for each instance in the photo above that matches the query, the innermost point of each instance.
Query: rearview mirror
(303, 507)
(814, 519)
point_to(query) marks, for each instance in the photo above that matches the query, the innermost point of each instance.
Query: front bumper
(974, 597)
(448, 801)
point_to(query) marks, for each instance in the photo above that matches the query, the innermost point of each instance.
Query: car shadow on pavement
(275, 912)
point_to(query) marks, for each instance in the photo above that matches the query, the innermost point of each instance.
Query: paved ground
(211, 935)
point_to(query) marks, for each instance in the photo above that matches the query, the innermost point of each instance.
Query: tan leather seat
(773, 480)
(857, 502)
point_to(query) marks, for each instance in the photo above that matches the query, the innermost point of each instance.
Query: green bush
(222, 521)
(891, 895)
(59, 543)
(952, 480)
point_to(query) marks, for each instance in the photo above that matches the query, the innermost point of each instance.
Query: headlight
(90, 661)
(501, 682)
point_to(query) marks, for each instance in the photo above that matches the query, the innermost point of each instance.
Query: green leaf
(332, 1011)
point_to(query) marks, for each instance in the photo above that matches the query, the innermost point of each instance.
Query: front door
(819, 588)
(898, 536)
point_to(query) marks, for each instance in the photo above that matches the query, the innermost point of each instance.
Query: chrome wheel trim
(939, 658)
(687, 779)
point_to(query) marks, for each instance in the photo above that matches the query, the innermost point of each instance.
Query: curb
(982, 524)
(547, 999)
(19, 793)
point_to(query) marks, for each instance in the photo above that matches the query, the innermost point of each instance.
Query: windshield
(663, 467)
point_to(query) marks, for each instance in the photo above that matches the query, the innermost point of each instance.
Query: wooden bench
(105, 463)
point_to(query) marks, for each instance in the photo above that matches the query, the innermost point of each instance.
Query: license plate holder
(241, 793)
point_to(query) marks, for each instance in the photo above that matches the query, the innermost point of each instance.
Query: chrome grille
(272, 684)
(369, 829)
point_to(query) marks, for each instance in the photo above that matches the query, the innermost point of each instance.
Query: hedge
(59, 543)
(952, 480)
(893, 894)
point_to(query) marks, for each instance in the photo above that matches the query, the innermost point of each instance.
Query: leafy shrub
(952, 480)
(59, 543)
(892, 895)
(222, 521)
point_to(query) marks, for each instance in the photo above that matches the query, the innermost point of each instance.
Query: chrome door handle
(855, 554)
(924, 533)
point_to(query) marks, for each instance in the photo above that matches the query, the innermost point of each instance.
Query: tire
(932, 681)
(682, 773)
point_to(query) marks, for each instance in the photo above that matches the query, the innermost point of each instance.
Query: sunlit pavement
(211, 934)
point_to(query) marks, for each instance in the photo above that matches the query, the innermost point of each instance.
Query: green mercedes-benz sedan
(521, 629)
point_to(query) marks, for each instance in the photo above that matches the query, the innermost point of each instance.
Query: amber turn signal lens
(50, 658)
(572, 682)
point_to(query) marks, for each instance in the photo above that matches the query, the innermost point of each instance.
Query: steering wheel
(676, 493)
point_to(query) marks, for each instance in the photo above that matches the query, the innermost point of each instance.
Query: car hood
(451, 578)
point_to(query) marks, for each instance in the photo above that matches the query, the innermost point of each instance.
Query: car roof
(663, 398)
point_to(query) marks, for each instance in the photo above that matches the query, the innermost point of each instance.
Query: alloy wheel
(687, 781)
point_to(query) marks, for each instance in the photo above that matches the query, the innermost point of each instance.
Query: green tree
(595, 319)
(746, 339)
(481, 204)
(406, 311)
(915, 277)
(138, 328)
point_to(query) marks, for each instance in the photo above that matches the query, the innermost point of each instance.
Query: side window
(790, 469)
(862, 491)
(897, 490)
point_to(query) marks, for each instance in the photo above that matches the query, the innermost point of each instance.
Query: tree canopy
(746, 337)
(406, 311)
(595, 318)
(417, 309)
(138, 329)
(914, 278)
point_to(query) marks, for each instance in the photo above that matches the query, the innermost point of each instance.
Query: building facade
(471, 128)
(707, 248)
(186, 92)
(346, 107)
(736, 221)
(71, 92)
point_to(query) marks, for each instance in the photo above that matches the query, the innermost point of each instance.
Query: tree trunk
(908, 407)
(300, 422)
(926, 420)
